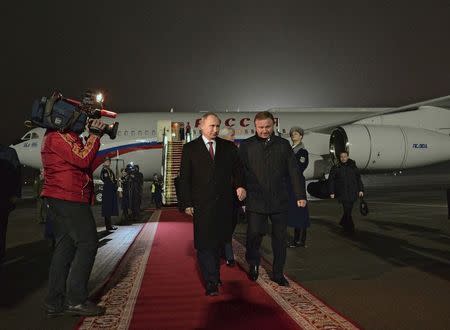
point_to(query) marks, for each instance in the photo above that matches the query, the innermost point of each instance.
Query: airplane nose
(14, 147)
(27, 156)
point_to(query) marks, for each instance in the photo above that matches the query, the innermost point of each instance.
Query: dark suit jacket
(345, 181)
(269, 170)
(110, 206)
(206, 186)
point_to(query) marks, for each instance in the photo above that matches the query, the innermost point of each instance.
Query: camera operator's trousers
(76, 245)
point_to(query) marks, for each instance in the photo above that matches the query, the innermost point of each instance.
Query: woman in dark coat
(345, 184)
(298, 217)
(109, 198)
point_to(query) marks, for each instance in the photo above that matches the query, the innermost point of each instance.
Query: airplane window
(139, 133)
(133, 133)
(246, 131)
(26, 137)
(125, 133)
(153, 132)
(119, 133)
(253, 131)
(34, 135)
(284, 130)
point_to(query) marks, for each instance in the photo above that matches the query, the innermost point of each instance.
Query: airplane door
(164, 126)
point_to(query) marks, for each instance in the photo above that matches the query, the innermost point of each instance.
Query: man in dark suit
(209, 167)
(110, 207)
(345, 183)
(10, 190)
(269, 167)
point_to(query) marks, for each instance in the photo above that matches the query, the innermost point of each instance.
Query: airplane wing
(441, 102)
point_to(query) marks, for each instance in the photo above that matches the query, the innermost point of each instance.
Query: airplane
(377, 139)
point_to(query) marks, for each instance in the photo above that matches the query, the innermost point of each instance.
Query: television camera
(64, 114)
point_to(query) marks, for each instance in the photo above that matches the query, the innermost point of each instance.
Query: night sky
(211, 55)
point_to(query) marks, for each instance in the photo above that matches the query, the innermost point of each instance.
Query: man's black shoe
(53, 311)
(281, 281)
(111, 228)
(231, 263)
(253, 272)
(219, 283)
(211, 289)
(86, 309)
(294, 244)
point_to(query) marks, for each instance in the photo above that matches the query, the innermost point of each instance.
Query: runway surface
(393, 274)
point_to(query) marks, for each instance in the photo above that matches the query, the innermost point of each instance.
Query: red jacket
(67, 166)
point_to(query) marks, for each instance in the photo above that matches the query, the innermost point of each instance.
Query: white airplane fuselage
(378, 143)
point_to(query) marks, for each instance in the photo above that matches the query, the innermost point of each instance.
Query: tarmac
(394, 273)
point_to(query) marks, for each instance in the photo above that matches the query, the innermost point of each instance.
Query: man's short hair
(207, 114)
(225, 131)
(264, 115)
(343, 152)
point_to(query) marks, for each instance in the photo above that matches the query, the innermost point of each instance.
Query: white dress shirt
(206, 141)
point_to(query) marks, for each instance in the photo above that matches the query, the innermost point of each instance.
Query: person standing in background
(109, 196)
(41, 213)
(346, 185)
(298, 217)
(140, 186)
(188, 132)
(156, 190)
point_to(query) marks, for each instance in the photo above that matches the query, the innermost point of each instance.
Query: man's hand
(332, 196)
(13, 199)
(301, 203)
(360, 194)
(96, 126)
(241, 193)
(189, 211)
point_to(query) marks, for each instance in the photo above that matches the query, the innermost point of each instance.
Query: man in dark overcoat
(269, 167)
(130, 194)
(209, 167)
(140, 185)
(345, 183)
(110, 205)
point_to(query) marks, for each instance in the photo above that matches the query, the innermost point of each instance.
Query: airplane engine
(378, 148)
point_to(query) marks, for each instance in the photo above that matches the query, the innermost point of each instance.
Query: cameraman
(68, 192)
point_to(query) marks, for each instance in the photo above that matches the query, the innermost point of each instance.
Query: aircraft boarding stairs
(171, 167)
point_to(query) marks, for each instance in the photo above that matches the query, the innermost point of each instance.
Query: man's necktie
(211, 150)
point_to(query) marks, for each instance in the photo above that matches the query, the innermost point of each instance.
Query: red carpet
(157, 286)
(172, 295)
